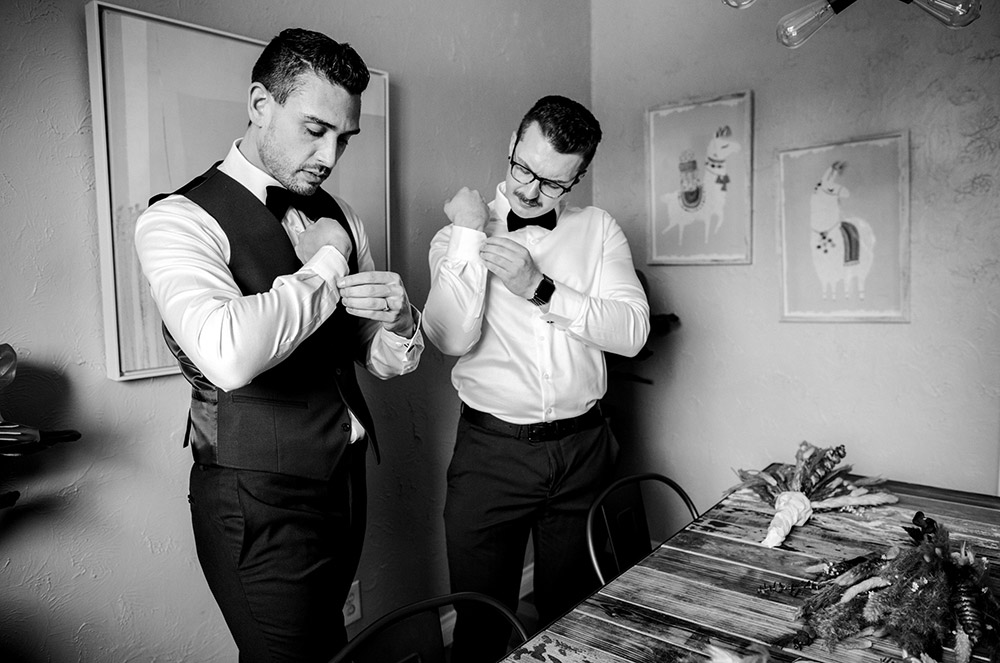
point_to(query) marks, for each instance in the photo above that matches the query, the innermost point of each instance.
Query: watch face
(543, 293)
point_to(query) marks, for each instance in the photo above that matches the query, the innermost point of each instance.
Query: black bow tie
(515, 222)
(279, 199)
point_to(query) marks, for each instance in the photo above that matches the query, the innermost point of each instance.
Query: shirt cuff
(329, 264)
(565, 306)
(465, 243)
(401, 342)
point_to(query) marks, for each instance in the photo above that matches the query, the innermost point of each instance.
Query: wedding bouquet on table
(815, 482)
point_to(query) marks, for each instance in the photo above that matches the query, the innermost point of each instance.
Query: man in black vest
(266, 287)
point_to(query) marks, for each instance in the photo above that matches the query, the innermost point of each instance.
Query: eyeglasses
(525, 175)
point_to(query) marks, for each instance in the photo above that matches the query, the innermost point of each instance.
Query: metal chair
(617, 526)
(412, 634)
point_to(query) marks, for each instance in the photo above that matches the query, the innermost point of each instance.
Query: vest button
(346, 427)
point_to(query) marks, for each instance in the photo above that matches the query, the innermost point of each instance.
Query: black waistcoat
(292, 418)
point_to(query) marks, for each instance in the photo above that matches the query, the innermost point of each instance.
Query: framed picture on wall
(845, 231)
(699, 157)
(168, 100)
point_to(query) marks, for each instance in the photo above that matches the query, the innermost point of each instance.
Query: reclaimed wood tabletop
(707, 584)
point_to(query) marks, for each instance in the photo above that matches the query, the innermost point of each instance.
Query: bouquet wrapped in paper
(791, 508)
(815, 482)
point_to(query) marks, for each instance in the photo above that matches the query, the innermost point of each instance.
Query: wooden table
(701, 585)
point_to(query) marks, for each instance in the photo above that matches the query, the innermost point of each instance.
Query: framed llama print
(845, 231)
(699, 163)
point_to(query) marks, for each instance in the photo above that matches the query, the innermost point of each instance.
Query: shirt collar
(240, 169)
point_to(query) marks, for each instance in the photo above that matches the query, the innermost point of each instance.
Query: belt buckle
(543, 431)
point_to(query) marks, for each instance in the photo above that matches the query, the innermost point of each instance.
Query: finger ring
(386, 304)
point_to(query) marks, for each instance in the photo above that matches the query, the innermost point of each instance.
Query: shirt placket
(546, 368)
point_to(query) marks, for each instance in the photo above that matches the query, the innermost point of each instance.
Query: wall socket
(352, 607)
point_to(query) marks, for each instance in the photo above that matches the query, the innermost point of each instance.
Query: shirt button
(346, 427)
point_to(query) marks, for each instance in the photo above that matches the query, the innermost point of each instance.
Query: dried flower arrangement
(815, 482)
(924, 598)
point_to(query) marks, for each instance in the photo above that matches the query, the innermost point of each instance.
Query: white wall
(96, 560)
(736, 388)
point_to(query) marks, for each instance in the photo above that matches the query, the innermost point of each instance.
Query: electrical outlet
(352, 606)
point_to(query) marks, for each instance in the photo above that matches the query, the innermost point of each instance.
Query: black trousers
(499, 490)
(280, 553)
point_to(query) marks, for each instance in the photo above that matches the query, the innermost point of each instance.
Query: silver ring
(386, 304)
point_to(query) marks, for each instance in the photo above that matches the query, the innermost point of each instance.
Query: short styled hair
(567, 125)
(297, 51)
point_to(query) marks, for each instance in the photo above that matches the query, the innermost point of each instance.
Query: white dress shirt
(230, 337)
(523, 363)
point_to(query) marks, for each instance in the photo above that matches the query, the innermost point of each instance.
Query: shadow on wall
(40, 396)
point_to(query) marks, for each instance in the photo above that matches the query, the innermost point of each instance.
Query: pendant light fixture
(796, 27)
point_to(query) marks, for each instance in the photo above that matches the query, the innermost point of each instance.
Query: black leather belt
(540, 432)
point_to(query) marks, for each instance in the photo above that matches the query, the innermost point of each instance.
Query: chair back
(412, 634)
(618, 532)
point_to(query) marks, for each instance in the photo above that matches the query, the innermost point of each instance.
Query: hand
(513, 264)
(378, 296)
(324, 232)
(467, 209)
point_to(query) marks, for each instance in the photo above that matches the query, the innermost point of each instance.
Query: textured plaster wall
(96, 560)
(736, 388)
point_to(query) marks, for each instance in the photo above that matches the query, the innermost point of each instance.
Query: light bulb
(795, 28)
(739, 4)
(953, 13)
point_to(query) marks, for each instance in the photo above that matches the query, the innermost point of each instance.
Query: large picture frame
(168, 98)
(700, 156)
(845, 231)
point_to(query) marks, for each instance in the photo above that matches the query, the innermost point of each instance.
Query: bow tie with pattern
(515, 222)
(279, 199)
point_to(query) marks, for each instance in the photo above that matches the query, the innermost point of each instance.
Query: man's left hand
(378, 296)
(513, 264)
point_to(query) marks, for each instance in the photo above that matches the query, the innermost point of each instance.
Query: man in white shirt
(530, 293)
(265, 285)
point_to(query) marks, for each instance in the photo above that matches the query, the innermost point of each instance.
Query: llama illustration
(842, 248)
(702, 199)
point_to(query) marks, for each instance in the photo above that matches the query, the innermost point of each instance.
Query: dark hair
(297, 51)
(567, 124)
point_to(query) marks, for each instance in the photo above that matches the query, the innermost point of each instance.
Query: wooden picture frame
(168, 99)
(699, 163)
(845, 231)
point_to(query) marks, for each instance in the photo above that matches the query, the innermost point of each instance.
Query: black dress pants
(280, 554)
(499, 490)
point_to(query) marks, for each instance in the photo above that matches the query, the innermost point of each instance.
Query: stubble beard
(277, 164)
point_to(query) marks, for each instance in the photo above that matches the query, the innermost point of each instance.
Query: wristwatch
(543, 293)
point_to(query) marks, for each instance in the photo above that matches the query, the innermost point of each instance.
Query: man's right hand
(468, 209)
(324, 232)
